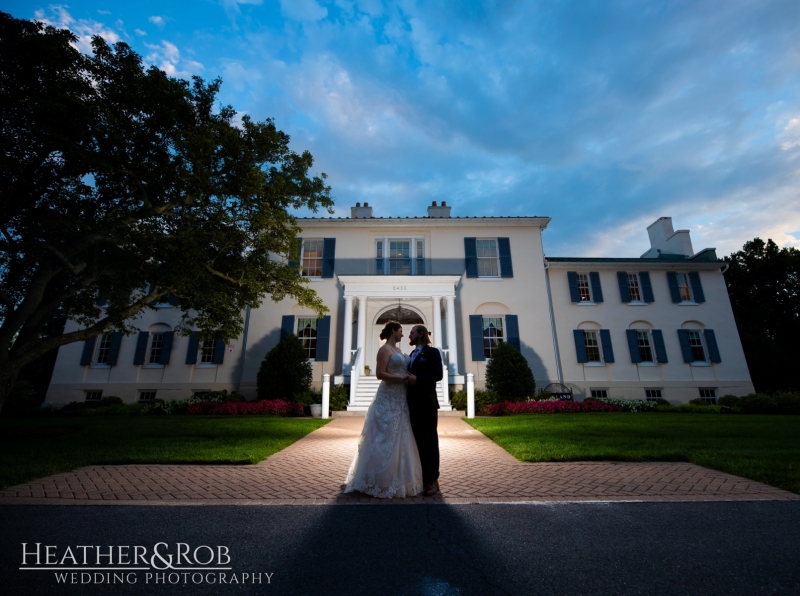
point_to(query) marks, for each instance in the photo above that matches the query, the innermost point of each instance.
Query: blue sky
(601, 115)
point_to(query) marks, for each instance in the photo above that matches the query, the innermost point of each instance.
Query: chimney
(664, 240)
(443, 211)
(359, 212)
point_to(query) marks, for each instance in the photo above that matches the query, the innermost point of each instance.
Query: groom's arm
(432, 371)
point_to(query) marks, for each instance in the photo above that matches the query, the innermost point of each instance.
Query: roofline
(609, 263)
(371, 222)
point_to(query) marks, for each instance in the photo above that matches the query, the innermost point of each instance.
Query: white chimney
(359, 212)
(436, 211)
(664, 240)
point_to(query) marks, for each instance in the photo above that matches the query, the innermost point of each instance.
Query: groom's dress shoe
(430, 489)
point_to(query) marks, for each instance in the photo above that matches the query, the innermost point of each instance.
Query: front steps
(368, 387)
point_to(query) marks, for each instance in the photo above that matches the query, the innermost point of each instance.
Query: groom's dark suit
(423, 406)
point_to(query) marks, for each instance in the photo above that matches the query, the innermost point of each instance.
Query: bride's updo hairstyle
(389, 329)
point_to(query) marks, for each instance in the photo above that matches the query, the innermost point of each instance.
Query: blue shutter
(574, 292)
(476, 337)
(647, 287)
(624, 291)
(166, 347)
(674, 291)
(633, 346)
(219, 351)
(597, 290)
(512, 331)
(88, 351)
(504, 248)
(661, 350)
(287, 325)
(686, 346)
(580, 345)
(141, 348)
(605, 341)
(328, 256)
(194, 344)
(113, 349)
(323, 338)
(697, 287)
(471, 257)
(296, 250)
(711, 344)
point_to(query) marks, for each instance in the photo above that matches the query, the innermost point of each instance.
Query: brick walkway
(474, 470)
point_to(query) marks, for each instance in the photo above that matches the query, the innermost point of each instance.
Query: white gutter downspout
(552, 316)
(244, 347)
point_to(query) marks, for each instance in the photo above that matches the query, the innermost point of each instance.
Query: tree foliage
(120, 185)
(285, 372)
(508, 374)
(764, 287)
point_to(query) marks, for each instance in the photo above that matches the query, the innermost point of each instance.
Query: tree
(120, 186)
(509, 375)
(764, 287)
(285, 372)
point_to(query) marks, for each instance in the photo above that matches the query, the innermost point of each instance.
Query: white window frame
(148, 362)
(598, 391)
(634, 277)
(303, 340)
(303, 257)
(653, 397)
(689, 291)
(202, 346)
(99, 345)
(415, 256)
(496, 258)
(598, 346)
(710, 399)
(650, 346)
(143, 392)
(96, 395)
(581, 277)
(706, 361)
(499, 339)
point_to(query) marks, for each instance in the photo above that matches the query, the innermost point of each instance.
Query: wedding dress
(387, 463)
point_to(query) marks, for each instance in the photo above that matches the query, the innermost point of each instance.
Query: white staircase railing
(355, 374)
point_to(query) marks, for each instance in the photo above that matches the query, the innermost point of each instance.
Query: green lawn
(36, 447)
(759, 447)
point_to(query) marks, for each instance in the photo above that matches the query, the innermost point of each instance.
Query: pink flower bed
(547, 407)
(264, 407)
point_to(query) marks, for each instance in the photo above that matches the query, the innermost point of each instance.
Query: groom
(425, 369)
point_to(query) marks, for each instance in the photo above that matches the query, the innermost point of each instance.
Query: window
(207, 351)
(307, 332)
(653, 394)
(147, 396)
(709, 396)
(420, 258)
(379, 257)
(599, 392)
(683, 287)
(156, 347)
(583, 287)
(633, 287)
(93, 395)
(399, 257)
(488, 264)
(492, 334)
(696, 344)
(645, 348)
(592, 346)
(103, 348)
(312, 257)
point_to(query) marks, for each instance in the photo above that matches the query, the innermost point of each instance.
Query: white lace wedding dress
(387, 464)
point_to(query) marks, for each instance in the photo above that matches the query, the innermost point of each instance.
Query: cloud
(303, 10)
(158, 21)
(140, 33)
(167, 57)
(58, 16)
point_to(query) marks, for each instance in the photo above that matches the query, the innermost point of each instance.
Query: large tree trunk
(8, 376)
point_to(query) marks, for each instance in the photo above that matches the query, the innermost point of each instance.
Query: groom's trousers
(424, 420)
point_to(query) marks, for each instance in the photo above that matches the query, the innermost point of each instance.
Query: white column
(362, 323)
(437, 321)
(470, 395)
(348, 334)
(452, 350)
(326, 394)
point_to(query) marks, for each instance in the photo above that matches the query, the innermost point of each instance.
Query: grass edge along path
(32, 448)
(763, 448)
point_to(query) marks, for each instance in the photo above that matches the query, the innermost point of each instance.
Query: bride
(387, 463)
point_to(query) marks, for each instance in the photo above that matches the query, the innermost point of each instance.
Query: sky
(602, 115)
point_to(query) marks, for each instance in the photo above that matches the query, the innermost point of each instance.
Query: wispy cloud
(158, 21)
(167, 57)
(58, 16)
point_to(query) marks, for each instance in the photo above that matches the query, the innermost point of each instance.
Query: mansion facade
(659, 325)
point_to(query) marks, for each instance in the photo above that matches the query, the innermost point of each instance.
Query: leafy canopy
(508, 374)
(285, 372)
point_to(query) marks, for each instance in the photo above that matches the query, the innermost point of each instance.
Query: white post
(362, 324)
(452, 351)
(437, 321)
(347, 343)
(470, 395)
(326, 394)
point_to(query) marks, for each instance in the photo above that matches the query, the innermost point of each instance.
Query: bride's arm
(383, 362)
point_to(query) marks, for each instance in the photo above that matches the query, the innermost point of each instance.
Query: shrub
(181, 406)
(759, 403)
(730, 400)
(543, 395)
(788, 403)
(339, 398)
(509, 375)
(483, 398)
(308, 397)
(630, 405)
(285, 372)
(556, 406)
(264, 407)
(690, 408)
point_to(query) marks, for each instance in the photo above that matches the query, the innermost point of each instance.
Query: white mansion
(659, 325)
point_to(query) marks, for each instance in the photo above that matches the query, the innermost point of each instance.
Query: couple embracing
(398, 452)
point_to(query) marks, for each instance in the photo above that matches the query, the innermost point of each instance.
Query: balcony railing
(399, 266)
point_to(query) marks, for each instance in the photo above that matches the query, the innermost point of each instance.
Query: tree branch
(76, 269)
(221, 275)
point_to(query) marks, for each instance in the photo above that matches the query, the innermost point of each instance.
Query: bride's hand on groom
(412, 379)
